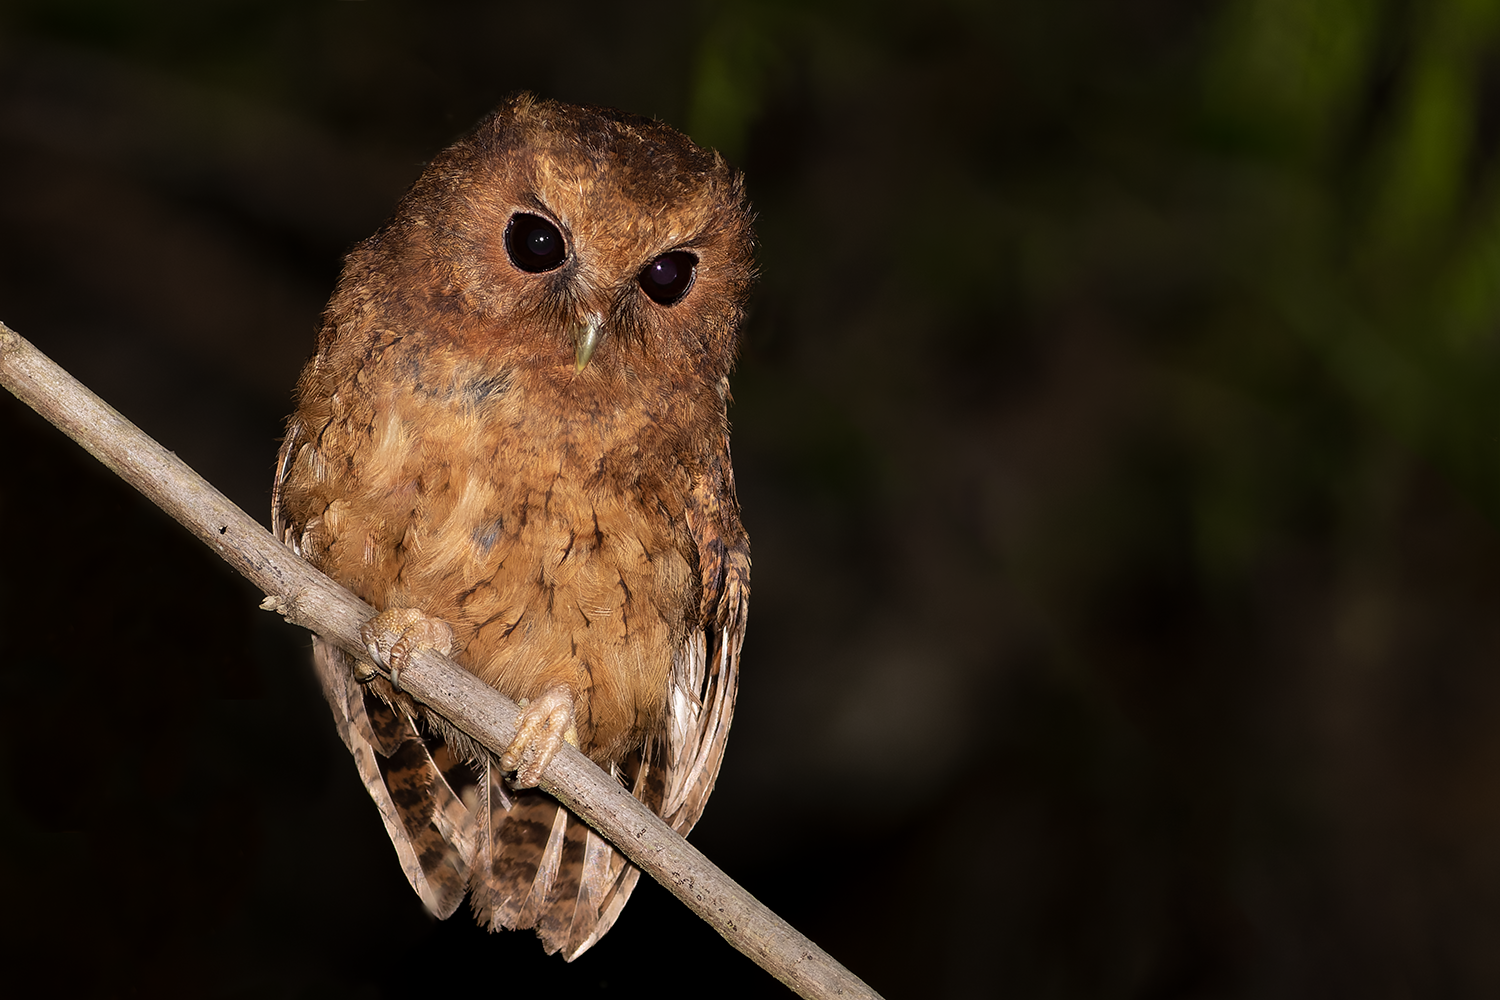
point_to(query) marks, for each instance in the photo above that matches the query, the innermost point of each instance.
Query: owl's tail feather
(582, 914)
(514, 857)
(607, 878)
(524, 859)
(537, 865)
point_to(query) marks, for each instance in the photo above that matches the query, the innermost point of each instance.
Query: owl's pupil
(534, 244)
(667, 278)
(664, 271)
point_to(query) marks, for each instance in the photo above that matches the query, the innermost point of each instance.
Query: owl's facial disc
(587, 332)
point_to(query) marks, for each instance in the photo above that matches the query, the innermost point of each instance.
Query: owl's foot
(396, 633)
(546, 722)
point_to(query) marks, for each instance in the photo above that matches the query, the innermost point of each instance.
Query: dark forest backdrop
(1117, 428)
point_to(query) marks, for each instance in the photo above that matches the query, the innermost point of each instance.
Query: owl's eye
(667, 278)
(534, 244)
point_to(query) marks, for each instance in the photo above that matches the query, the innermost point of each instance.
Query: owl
(513, 442)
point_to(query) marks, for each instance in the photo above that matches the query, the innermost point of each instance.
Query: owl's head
(586, 243)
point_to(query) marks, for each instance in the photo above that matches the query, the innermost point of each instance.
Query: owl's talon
(395, 634)
(546, 724)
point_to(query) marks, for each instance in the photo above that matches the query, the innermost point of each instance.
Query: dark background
(1117, 428)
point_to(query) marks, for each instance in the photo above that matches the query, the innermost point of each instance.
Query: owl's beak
(586, 335)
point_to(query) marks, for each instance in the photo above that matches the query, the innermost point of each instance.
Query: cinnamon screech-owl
(513, 442)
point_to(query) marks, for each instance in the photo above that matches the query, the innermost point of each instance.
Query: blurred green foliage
(1373, 134)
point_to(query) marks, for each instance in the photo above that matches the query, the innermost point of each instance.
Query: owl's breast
(547, 527)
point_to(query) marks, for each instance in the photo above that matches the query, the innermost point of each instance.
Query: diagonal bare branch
(306, 597)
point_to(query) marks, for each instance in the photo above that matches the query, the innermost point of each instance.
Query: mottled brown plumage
(513, 440)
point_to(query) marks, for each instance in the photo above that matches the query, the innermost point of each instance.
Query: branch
(306, 597)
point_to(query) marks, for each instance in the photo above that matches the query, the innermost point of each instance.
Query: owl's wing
(705, 678)
(705, 674)
(428, 823)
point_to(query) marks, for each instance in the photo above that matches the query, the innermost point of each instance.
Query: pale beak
(586, 335)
